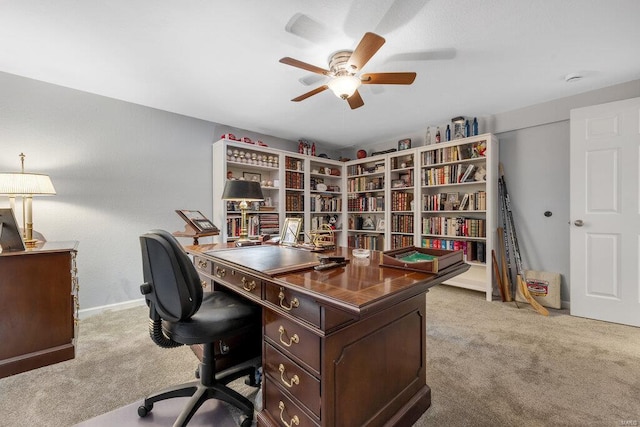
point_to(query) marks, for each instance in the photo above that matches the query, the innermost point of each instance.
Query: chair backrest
(172, 286)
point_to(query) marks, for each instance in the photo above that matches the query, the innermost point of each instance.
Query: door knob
(578, 223)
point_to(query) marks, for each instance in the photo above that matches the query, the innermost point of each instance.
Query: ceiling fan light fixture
(344, 86)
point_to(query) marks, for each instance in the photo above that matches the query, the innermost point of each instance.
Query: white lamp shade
(25, 184)
(344, 86)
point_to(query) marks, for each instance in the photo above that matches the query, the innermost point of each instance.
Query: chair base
(199, 393)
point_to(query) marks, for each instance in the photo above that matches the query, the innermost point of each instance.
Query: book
(463, 203)
(467, 173)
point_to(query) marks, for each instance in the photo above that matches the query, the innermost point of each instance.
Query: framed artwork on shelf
(250, 176)
(404, 144)
(291, 231)
(368, 224)
(380, 226)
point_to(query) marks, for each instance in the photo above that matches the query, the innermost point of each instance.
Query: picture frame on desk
(290, 231)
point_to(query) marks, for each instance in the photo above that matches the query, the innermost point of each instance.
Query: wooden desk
(38, 303)
(341, 347)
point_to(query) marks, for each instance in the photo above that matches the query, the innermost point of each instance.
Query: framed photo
(397, 183)
(404, 144)
(197, 221)
(291, 231)
(368, 224)
(452, 197)
(380, 226)
(250, 176)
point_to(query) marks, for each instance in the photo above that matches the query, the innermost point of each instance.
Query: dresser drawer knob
(294, 302)
(292, 340)
(220, 272)
(202, 264)
(248, 285)
(294, 380)
(294, 421)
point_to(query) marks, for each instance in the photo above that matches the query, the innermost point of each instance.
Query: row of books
(402, 223)
(256, 225)
(398, 241)
(473, 251)
(365, 168)
(366, 241)
(325, 204)
(449, 174)
(365, 184)
(294, 202)
(294, 180)
(468, 202)
(356, 203)
(401, 201)
(459, 226)
(293, 164)
(451, 154)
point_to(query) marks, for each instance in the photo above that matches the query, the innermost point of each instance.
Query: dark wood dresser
(38, 306)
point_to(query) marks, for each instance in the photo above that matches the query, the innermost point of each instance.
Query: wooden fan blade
(304, 65)
(367, 47)
(355, 100)
(310, 93)
(388, 78)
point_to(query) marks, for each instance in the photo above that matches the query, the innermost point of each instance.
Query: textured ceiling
(218, 60)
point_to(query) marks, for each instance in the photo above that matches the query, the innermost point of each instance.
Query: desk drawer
(206, 282)
(291, 377)
(294, 303)
(203, 265)
(232, 277)
(292, 339)
(283, 410)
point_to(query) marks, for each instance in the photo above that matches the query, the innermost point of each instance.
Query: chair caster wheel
(143, 410)
(246, 422)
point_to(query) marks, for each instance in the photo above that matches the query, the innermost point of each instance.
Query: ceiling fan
(344, 67)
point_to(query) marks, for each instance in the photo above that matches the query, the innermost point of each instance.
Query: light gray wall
(119, 169)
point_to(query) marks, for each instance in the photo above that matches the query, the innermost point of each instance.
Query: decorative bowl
(361, 253)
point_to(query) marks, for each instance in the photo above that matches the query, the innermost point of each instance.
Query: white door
(605, 212)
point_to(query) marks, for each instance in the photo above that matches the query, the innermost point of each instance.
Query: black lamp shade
(249, 191)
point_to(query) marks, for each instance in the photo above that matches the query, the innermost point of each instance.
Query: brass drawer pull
(248, 285)
(220, 272)
(294, 302)
(295, 420)
(202, 264)
(294, 380)
(293, 339)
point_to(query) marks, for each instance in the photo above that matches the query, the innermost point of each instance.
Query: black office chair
(179, 315)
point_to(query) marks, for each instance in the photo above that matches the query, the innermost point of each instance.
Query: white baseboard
(88, 312)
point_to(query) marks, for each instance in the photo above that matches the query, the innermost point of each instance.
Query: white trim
(88, 312)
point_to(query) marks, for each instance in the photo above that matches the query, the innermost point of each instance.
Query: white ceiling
(218, 60)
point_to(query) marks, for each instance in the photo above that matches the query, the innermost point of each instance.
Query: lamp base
(31, 243)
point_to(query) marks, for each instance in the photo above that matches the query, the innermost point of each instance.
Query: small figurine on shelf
(313, 149)
(300, 146)
(437, 134)
(332, 220)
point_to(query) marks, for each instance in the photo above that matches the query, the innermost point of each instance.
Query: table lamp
(243, 192)
(25, 185)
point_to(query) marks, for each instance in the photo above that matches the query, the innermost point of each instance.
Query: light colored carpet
(488, 364)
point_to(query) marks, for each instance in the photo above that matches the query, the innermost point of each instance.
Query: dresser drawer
(293, 340)
(236, 278)
(283, 410)
(292, 378)
(294, 303)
